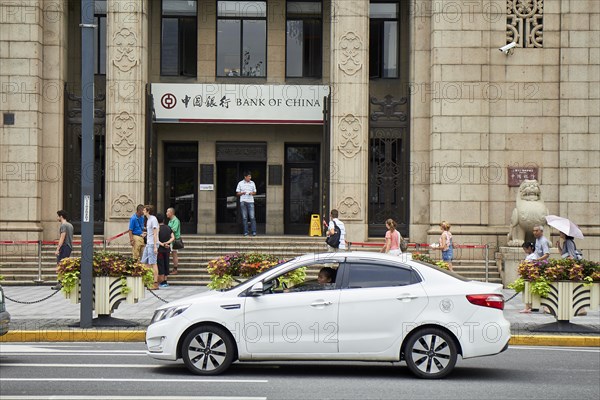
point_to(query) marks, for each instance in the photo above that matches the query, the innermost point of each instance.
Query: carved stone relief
(350, 128)
(125, 42)
(122, 207)
(349, 209)
(124, 126)
(350, 45)
(524, 22)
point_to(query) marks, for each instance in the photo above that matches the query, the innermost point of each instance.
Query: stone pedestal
(511, 258)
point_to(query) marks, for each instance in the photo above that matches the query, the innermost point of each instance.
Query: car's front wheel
(208, 350)
(430, 353)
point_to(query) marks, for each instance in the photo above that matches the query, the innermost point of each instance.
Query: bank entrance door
(302, 190)
(181, 183)
(246, 157)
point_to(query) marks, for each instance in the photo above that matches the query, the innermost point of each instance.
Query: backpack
(334, 240)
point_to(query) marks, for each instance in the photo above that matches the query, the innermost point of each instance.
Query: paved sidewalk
(57, 313)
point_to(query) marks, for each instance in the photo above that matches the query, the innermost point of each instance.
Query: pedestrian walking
(529, 249)
(446, 244)
(165, 238)
(175, 226)
(149, 257)
(65, 241)
(392, 239)
(336, 228)
(246, 189)
(136, 232)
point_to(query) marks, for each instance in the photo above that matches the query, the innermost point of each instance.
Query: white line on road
(154, 380)
(38, 365)
(94, 397)
(543, 348)
(10, 348)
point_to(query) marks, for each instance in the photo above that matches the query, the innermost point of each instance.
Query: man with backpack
(336, 233)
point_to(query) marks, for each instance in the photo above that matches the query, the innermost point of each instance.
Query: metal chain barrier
(31, 302)
(157, 296)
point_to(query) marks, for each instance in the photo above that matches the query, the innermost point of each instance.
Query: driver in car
(325, 280)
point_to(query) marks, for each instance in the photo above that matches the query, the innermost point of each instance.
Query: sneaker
(253, 233)
(245, 235)
(164, 284)
(58, 286)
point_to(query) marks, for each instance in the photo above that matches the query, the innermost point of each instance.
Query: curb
(93, 335)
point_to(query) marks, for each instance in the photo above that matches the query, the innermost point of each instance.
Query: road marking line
(154, 380)
(37, 365)
(131, 397)
(72, 354)
(7, 348)
(544, 348)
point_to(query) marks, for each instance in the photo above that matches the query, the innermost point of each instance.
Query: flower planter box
(107, 293)
(566, 298)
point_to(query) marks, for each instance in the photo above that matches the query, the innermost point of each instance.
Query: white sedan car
(373, 307)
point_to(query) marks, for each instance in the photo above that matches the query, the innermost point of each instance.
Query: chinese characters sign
(516, 175)
(224, 103)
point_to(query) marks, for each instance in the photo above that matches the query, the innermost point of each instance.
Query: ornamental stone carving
(125, 42)
(350, 46)
(349, 209)
(350, 128)
(124, 126)
(529, 212)
(122, 207)
(525, 22)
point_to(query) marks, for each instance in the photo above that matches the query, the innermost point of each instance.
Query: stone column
(21, 82)
(349, 114)
(126, 78)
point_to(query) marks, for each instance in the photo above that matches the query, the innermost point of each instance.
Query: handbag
(403, 243)
(178, 244)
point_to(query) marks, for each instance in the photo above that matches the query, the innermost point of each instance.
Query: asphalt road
(122, 370)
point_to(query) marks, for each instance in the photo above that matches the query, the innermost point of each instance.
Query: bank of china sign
(224, 103)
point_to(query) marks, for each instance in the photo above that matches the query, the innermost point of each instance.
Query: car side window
(306, 278)
(379, 275)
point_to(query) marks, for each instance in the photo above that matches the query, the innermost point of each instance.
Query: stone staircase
(19, 266)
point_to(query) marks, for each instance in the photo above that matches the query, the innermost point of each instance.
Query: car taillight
(487, 300)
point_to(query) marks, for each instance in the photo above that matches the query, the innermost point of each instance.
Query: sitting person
(325, 280)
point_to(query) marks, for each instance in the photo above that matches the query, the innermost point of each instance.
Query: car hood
(193, 299)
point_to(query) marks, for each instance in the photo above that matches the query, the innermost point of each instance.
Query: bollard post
(104, 245)
(487, 262)
(39, 279)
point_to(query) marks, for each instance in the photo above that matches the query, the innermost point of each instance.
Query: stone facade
(474, 112)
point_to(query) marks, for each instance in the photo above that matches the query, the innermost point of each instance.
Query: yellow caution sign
(315, 225)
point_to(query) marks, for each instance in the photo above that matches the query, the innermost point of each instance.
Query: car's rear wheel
(430, 353)
(208, 350)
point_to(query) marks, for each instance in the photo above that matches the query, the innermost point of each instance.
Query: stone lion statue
(529, 212)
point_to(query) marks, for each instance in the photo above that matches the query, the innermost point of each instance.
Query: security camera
(507, 49)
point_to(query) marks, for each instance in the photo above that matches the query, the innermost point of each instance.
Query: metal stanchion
(487, 262)
(39, 279)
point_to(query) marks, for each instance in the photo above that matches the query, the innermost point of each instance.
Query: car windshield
(445, 271)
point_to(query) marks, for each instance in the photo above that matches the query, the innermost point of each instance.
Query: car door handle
(321, 303)
(406, 297)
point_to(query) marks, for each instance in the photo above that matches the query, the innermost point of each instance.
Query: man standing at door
(246, 189)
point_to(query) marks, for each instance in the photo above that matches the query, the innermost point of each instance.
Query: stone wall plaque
(516, 175)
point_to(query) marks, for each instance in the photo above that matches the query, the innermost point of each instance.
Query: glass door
(302, 191)
(229, 173)
(181, 183)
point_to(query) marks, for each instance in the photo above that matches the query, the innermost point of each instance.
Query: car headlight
(167, 313)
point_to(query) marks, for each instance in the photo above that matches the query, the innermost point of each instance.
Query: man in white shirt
(151, 250)
(246, 189)
(333, 220)
(542, 245)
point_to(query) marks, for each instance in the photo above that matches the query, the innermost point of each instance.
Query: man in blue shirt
(136, 232)
(246, 189)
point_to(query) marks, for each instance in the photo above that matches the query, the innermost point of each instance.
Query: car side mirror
(257, 289)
